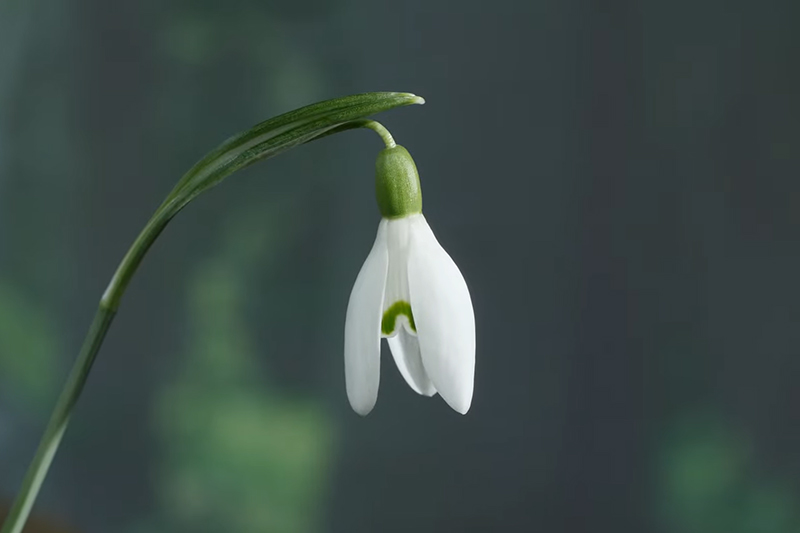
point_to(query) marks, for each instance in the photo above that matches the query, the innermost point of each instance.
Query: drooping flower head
(411, 293)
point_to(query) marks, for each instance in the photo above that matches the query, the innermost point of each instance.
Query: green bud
(397, 183)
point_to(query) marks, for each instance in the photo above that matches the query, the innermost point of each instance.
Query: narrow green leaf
(276, 135)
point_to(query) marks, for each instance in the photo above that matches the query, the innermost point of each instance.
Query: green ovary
(390, 317)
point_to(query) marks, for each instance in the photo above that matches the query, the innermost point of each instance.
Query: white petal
(362, 328)
(405, 349)
(398, 233)
(444, 318)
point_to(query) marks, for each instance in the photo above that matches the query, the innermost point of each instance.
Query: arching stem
(263, 141)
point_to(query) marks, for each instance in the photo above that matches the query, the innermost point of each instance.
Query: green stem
(373, 125)
(58, 422)
(263, 141)
(379, 129)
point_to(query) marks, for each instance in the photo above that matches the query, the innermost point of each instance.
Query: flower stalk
(263, 141)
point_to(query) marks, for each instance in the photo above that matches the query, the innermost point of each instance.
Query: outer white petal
(444, 317)
(405, 349)
(362, 328)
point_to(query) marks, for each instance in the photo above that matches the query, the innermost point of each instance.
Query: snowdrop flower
(411, 293)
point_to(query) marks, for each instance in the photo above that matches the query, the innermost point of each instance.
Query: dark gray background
(618, 182)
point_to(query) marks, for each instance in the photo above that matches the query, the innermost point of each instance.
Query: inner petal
(396, 303)
(405, 350)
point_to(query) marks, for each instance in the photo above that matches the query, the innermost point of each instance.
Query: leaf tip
(409, 98)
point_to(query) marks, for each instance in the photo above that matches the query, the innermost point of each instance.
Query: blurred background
(618, 182)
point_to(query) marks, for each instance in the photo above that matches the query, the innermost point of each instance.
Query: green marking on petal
(389, 320)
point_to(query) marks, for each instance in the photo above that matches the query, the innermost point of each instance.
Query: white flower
(410, 292)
